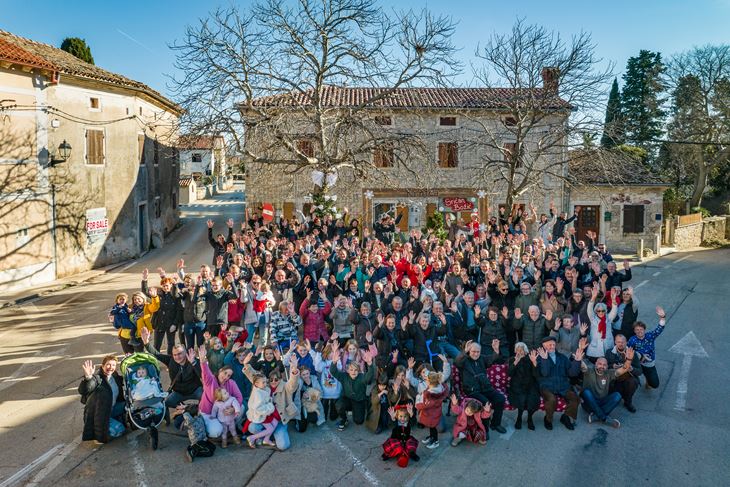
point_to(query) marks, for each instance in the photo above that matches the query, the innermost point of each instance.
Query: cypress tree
(612, 130)
(79, 48)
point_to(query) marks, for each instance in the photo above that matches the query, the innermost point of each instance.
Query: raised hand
(583, 328)
(409, 408)
(247, 358)
(293, 361)
(368, 358)
(88, 368)
(368, 336)
(145, 335)
(404, 323)
(518, 313)
(583, 343)
(627, 264)
(153, 292)
(202, 353)
(190, 355)
(488, 408)
(495, 346)
(533, 357)
(505, 312)
(411, 362)
(542, 353)
(391, 412)
(209, 223)
(579, 354)
(145, 274)
(454, 400)
(660, 312)
(230, 223)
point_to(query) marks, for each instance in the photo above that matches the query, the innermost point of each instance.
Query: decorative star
(369, 194)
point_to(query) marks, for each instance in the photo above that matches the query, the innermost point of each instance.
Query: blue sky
(131, 37)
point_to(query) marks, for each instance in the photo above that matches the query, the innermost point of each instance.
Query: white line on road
(67, 450)
(689, 346)
(20, 474)
(683, 258)
(681, 403)
(137, 464)
(641, 284)
(53, 360)
(369, 476)
(656, 273)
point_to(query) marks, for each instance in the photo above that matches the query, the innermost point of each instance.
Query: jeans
(449, 350)
(263, 332)
(281, 434)
(116, 420)
(652, 377)
(194, 334)
(160, 336)
(176, 398)
(602, 406)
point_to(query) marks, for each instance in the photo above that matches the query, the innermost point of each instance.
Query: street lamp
(63, 154)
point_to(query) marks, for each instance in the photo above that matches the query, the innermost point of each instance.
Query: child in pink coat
(223, 401)
(469, 420)
(313, 320)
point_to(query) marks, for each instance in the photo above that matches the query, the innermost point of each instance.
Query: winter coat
(193, 309)
(364, 324)
(374, 415)
(567, 340)
(430, 409)
(314, 324)
(144, 320)
(260, 405)
(122, 320)
(598, 345)
(523, 392)
(331, 387)
(462, 419)
(210, 384)
(474, 372)
(170, 312)
(219, 249)
(96, 395)
(286, 397)
(185, 379)
(216, 303)
(353, 388)
(554, 376)
(532, 331)
(220, 406)
(283, 328)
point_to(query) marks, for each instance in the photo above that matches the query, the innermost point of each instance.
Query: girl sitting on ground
(226, 408)
(401, 444)
(469, 421)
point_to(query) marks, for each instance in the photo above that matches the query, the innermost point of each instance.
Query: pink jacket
(210, 384)
(314, 324)
(461, 418)
(220, 406)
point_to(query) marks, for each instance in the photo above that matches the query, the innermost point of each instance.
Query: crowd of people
(299, 322)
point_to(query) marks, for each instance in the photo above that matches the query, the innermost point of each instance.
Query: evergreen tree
(612, 130)
(641, 100)
(79, 48)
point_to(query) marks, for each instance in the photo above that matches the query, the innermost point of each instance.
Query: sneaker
(433, 445)
(590, 418)
(458, 439)
(613, 422)
(518, 423)
(567, 422)
(342, 424)
(530, 424)
(548, 425)
(427, 440)
(482, 442)
(224, 442)
(236, 439)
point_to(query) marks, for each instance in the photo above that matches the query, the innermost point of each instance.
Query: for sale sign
(97, 225)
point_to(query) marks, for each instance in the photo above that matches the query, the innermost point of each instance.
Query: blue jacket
(122, 317)
(554, 376)
(244, 385)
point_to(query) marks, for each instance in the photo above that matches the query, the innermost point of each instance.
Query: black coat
(184, 379)
(170, 312)
(96, 395)
(523, 391)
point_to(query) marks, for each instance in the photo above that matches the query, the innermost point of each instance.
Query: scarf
(602, 326)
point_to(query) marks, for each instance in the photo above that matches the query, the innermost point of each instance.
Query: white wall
(187, 166)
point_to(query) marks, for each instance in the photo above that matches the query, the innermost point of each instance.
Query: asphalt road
(43, 343)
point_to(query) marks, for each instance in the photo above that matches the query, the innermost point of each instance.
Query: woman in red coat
(430, 409)
(469, 420)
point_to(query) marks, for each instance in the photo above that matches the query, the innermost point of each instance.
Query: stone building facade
(115, 197)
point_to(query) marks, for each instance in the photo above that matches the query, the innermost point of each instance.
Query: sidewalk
(23, 295)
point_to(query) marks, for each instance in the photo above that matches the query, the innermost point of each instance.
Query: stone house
(202, 155)
(113, 196)
(188, 190)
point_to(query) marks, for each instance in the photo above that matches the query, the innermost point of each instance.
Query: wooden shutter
(633, 219)
(443, 154)
(140, 148)
(306, 147)
(430, 210)
(453, 154)
(403, 224)
(288, 210)
(94, 146)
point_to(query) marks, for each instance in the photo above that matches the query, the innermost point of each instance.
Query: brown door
(288, 210)
(588, 221)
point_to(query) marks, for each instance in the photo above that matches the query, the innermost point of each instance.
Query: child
(216, 352)
(263, 302)
(378, 420)
(145, 387)
(223, 401)
(353, 353)
(304, 356)
(401, 444)
(331, 387)
(313, 318)
(261, 410)
(121, 317)
(469, 422)
(430, 408)
(354, 385)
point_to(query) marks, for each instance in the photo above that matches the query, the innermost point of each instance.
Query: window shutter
(639, 219)
(443, 155)
(94, 146)
(453, 155)
(628, 219)
(634, 219)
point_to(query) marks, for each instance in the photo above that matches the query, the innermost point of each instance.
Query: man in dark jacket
(184, 370)
(168, 318)
(561, 222)
(616, 278)
(553, 372)
(533, 326)
(219, 243)
(386, 227)
(475, 382)
(626, 384)
(102, 394)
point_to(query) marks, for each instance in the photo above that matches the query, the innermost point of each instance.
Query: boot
(530, 423)
(224, 441)
(518, 423)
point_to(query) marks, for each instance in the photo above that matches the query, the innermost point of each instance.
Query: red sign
(458, 204)
(267, 212)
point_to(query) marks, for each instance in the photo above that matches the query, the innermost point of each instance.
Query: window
(633, 218)
(140, 149)
(510, 152)
(447, 121)
(197, 157)
(383, 157)
(140, 111)
(94, 103)
(384, 120)
(157, 152)
(306, 147)
(158, 207)
(21, 238)
(94, 146)
(448, 154)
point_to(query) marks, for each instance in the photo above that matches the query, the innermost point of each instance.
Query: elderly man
(626, 384)
(475, 382)
(282, 286)
(598, 401)
(534, 327)
(616, 278)
(554, 370)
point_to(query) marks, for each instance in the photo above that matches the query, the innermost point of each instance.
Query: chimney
(551, 79)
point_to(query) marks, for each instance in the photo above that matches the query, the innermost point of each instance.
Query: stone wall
(688, 236)
(714, 229)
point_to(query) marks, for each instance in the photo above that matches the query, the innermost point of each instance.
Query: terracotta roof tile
(185, 182)
(64, 62)
(609, 167)
(199, 142)
(441, 98)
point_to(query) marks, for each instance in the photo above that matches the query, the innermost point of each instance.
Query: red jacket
(461, 418)
(430, 408)
(313, 323)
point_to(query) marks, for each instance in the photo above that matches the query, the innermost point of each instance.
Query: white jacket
(331, 387)
(260, 405)
(599, 346)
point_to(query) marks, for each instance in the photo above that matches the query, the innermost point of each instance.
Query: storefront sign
(97, 224)
(457, 204)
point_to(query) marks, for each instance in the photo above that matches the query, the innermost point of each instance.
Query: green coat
(353, 388)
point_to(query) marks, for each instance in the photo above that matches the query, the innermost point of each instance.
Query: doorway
(588, 221)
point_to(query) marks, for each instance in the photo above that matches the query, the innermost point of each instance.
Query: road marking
(683, 258)
(641, 284)
(510, 431)
(656, 273)
(20, 474)
(67, 450)
(369, 476)
(689, 346)
(137, 464)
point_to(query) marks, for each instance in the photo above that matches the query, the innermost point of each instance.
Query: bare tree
(268, 79)
(554, 88)
(699, 131)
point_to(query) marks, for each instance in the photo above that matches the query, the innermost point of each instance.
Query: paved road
(40, 414)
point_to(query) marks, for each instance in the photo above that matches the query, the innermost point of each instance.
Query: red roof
(185, 182)
(454, 98)
(200, 142)
(16, 54)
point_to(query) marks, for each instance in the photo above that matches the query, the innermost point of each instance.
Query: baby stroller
(145, 399)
